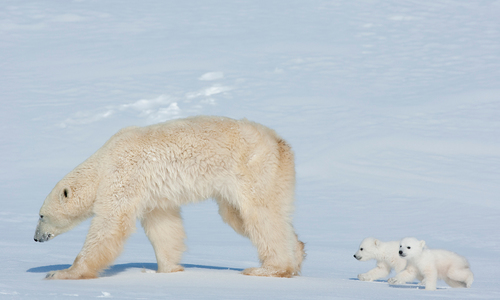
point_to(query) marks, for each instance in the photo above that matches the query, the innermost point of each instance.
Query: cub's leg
(103, 244)
(404, 276)
(166, 233)
(381, 270)
(459, 277)
(430, 279)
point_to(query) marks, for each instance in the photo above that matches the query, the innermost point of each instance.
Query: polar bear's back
(444, 259)
(201, 157)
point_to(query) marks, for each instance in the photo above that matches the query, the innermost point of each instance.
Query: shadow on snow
(116, 269)
(409, 285)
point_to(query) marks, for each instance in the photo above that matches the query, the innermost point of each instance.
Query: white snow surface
(392, 108)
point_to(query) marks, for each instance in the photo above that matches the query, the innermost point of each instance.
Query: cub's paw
(395, 280)
(365, 277)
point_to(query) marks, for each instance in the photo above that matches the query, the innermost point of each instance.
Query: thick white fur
(428, 265)
(386, 255)
(148, 173)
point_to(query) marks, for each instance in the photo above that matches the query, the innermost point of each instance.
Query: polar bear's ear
(376, 242)
(422, 244)
(65, 194)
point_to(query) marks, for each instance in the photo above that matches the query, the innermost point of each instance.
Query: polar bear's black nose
(400, 252)
(355, 256)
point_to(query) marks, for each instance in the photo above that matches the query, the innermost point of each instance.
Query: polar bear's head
(369, 249)
(410, 247)
(69, 203)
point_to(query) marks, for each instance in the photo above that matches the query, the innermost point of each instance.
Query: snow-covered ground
(392, 108)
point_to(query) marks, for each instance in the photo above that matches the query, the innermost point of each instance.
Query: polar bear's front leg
(382, 270)
(103, 244)
(430, 279)
(166, 233)
(76, 271)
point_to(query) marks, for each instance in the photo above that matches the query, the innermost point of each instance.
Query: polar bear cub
(430, 264)
(386, 254)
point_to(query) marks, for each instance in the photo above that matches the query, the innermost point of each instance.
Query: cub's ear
(376, 242)
(422, 243)
(65, 194)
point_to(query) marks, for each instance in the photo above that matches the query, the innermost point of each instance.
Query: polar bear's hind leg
(232, 216)
(459, 277)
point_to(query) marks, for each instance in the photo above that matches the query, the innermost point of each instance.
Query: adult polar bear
(147, 173)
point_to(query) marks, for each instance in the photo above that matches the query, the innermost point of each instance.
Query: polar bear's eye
(408, 247)
(360, 249)
(65, 193)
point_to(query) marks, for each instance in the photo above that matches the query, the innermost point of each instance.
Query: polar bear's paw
(268, 272)
(365, 277)
(395, 280)
(170, 269)
(68, 274)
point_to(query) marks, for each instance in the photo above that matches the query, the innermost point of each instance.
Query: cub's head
(410, 247)
(369, 249)
(68, 204)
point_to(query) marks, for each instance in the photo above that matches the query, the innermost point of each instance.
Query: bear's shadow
(118, 268)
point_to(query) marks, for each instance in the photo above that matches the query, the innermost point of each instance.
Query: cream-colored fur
(428, 265)
(148, 173)
(386, 255)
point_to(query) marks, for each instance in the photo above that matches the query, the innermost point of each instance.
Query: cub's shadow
(116, 269)
(378, 280)
(409, 285)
